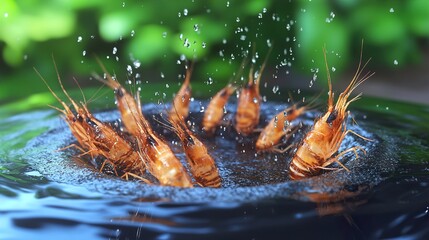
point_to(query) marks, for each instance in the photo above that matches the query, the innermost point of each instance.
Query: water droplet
(392, 10)
(79, 39)
(237, 19)
(227, 4)
(83, 53)
(202, 109)
(387, 108)
(259, 15)
(186, 43)
(164, 34)
(185, 12)
(123, 4)
(196, 28)
(129, 69)
(330, 18)
(162, 75)
(255, 100)
(179, 14)
(133, 33)
(92, 36)
(298, 91)
(115, 50)
(167, 86)
(203, 45)
(333, 69)
(395, 62)
(137, 64)
(276, 89)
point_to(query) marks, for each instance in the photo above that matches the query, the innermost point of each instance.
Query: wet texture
(247, 176)
(48, 193)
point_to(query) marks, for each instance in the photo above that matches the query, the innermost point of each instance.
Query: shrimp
(202, 165)
(161, 161)
(127, 104)
(113, 147)
(182, 99)
(215, 110)
(249, 104)
(318, 148)
(278, 127)
(97, 138)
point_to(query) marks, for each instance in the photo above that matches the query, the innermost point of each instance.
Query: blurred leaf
(417, 12)
(255, 6)
(115, 25)
(50, 23)
(149, 43)
(385, 28)
(317, 33)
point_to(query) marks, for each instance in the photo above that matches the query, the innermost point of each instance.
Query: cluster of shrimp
(146, 156)
(319, 147)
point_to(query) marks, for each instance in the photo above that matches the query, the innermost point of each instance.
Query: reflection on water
(46, 193)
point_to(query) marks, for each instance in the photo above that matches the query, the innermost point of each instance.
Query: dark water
(46, 194)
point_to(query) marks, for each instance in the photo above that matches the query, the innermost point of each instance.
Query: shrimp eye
(90, 122)
(119, 92)
(223, 93)
(79, 118)
(332, 117)
(190, 140)
(289, 112)
(152, 141)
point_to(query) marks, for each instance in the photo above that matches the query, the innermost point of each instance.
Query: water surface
(45, 192)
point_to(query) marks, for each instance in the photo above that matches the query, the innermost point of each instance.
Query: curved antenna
(330, 93)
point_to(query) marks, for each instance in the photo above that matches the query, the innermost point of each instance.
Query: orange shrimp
(161, 161)
(215, 110)
(99, 138)
(182, 99)
(127, 104)
(159, 158)
(114, 148)
(202, 165)
(249, 104)
(278, 127)
(317, 150)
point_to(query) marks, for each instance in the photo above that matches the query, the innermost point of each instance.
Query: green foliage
(158, 33)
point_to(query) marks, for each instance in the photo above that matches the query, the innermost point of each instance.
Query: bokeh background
(151, 41)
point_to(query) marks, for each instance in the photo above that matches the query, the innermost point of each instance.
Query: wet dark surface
(385, 195)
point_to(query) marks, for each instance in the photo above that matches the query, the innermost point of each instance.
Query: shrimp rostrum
(319, 147)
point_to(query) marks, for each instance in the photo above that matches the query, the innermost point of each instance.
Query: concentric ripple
(247, 176)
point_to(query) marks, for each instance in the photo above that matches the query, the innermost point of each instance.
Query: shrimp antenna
(261, 70)
(243, 64)
(53, 93)
(330, 93)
